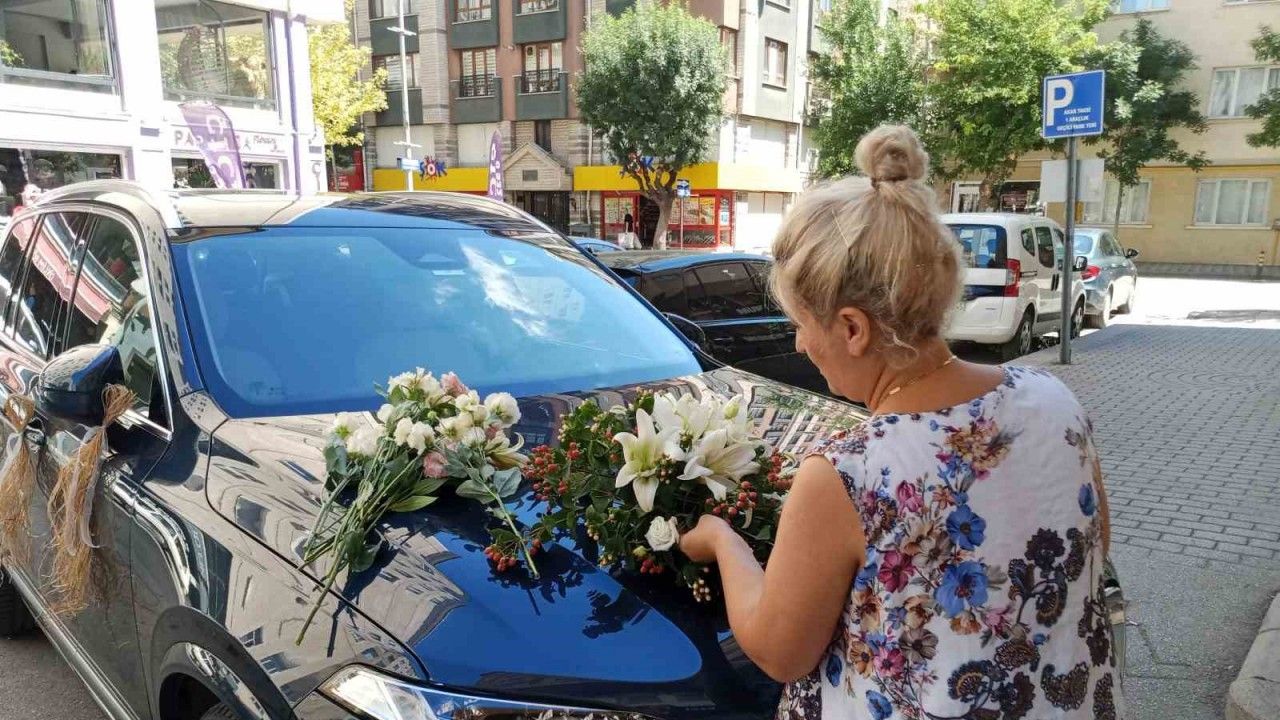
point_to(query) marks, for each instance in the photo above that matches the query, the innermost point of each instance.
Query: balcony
(477, 99)
(384, 42)
(539, 21)
(472, 26)
(393, 114)
(542, 95)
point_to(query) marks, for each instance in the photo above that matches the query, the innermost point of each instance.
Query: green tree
(338, 96)
(1267, 109)
(874, 73)
(989, 58)
(1144, 105)
(9, 56)
(654, 89)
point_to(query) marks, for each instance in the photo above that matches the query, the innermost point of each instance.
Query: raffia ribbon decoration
(71, 509)
(17, 481)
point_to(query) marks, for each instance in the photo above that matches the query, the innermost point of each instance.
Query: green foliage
(874, 74)
(989, 58)
(654, 87)
(1144, 104)
(9, 56)
(1267, 49)
(338, 96)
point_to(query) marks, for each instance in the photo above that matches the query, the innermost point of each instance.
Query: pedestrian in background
(942, 559)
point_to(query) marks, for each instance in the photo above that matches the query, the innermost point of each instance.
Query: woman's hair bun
(892, 153)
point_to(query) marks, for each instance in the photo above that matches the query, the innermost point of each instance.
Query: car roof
(267, 208)
(645, 261)
(1093, 232)
(1002, 219)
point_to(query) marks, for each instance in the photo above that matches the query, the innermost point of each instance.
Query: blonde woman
(943, 559)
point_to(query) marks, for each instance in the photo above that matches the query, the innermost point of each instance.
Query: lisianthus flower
(455, 427)
(385, 412)
(503, 408)
(450, 383)
(345, 424)
(402, 430)
(433, 465)
(641, 454)
(364, 441)
(416, 436)
(719, 463)
(474, 437)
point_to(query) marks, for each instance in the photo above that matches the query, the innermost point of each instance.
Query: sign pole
(400, 30)
(681, 223)
(1068, 254)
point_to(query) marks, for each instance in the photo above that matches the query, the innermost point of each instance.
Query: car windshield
(1083, 244)
(983, 246)
(306, 320)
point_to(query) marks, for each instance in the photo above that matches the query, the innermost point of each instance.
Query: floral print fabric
(981, 597)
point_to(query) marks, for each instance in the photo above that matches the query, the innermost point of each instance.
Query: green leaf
(415, 502)
(427, 486)
(335, 459)
(364, 557)
(474, 490)
(506, 482)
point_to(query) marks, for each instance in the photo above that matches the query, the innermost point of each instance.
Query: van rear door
(984, 249)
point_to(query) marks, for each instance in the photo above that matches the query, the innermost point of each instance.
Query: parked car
(725, 297)
(243, 322)
(1110, 277)
(594, 246)
(1013, 281)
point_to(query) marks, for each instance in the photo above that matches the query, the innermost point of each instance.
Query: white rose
(662, 534)
(474, 436)
(345, 424)
(503, 408)
(455, 427)
(363, 441)
(401, 434)
(419, 435)
(384, 412)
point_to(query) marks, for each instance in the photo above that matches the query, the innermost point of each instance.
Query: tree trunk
(664, 202)
(1115, 221)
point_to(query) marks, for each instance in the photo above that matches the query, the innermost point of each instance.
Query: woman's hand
(700, 542)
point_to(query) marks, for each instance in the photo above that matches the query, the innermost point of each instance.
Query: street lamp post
(404, 32)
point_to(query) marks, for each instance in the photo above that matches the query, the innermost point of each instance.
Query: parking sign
(1073, 104)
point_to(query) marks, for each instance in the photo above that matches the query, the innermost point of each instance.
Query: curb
(1255, 694)
(1209, 271)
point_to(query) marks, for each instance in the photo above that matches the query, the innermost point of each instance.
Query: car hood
(578, 635)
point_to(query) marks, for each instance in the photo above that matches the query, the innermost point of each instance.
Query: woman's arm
(784, 617)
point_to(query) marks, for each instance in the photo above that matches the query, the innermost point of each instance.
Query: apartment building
(92, 89)
(480, 66)
(1228, 213)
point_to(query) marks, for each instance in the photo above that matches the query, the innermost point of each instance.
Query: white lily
(641, 454)
(690, 417)
(737, 420)
(719, 462)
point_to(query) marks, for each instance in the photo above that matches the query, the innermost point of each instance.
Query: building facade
(1229, 212)
(480, 66)
(93, 89)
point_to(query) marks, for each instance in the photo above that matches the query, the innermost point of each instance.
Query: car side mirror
(70, 387)
(689, 329)
(1131, 253)
(1080, 264)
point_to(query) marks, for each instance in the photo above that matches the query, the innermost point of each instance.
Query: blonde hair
(875, 243)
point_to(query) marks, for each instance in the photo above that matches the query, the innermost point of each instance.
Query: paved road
(1187, 411)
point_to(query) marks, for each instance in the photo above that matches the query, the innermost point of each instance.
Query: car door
(1120, 268)
(724, 301)
(111, 305)
(1048, 279)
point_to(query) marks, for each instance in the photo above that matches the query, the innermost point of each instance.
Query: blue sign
(682, 189)
(1073, 104)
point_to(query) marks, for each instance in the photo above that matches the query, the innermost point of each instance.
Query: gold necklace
(899, 388)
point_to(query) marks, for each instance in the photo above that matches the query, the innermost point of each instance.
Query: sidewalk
(1187, 418)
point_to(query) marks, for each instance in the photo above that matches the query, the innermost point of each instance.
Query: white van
(1012, 281)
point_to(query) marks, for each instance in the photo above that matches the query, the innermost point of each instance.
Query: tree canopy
(1267, 109)
(653, 88)
(338, 95)
(874, 73)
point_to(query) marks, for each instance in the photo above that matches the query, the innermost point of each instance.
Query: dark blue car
(243, 322)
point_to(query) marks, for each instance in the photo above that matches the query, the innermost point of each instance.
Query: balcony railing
(539, 81)
(477, 86)
(473, 14)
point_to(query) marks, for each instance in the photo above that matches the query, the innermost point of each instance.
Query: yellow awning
(703, 176)
(462, 179)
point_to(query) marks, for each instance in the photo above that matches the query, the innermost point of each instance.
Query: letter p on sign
(1060, 92)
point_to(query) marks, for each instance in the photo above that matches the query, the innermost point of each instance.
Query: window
(1133, 6)
(194, 173)
(473, 10)
(1232, 202)
(215, 51)
(1044, 246)
(1029, 241)
(729, 39)
(22, 169)
(723, 291)
(58, 43)
(983, 246)
(1235, 89)
(542, 134)
(15, 249)
(47, 282)
(537, 6)
(478, 69)
(111, 307)
(542, 63)
(1111, 246)
(390, 8)
(393, 66)
(1133, 209)
(775, 62)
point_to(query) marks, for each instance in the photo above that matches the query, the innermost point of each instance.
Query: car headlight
(369, 693)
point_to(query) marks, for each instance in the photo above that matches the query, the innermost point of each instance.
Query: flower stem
(511, 523)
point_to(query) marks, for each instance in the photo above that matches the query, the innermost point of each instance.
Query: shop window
(65, 43)
(194, 173)
(215, 51)
(26, 173)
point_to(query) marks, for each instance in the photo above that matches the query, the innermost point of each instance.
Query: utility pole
(403, 32)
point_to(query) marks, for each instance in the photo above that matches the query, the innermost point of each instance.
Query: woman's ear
(856, 327)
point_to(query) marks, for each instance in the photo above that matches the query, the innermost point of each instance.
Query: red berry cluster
(542, 463)
(775, 469)
(746, 500)
(651, 567)
(503, 562)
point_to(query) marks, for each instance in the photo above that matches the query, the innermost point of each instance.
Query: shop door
(647, 222)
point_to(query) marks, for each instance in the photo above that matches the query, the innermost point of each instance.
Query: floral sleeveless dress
(981, 597)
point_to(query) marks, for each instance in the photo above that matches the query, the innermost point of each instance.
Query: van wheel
(15, 618)
(1020, 343)
(1103, 318)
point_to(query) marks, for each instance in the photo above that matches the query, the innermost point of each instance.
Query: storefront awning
(703, 176)
(457, 179)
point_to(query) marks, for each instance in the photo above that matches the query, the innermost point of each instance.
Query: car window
(726, 292)
(981, 246)
(111, 308)
(665, 291)
(15, 248)
(1113, 247)
(1083, 244)
(760, 273)
(1059, 247)
(1044, 246)
(47, 282)
(1028, 241)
